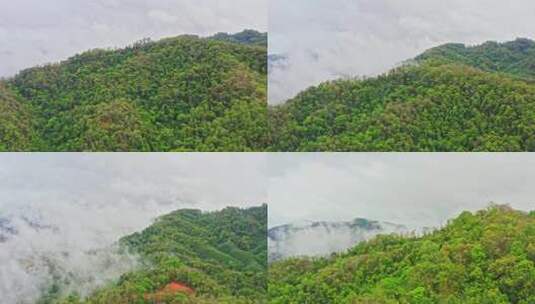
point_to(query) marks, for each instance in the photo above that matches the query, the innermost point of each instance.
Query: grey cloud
(416, 190)
(63, 28)
(368, 37)
(68, 210)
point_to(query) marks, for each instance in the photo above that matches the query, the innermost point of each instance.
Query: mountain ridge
(216, 256)
(183, 93)
(434, 105)
(482, 257)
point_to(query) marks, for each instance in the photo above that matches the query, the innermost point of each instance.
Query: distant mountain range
(324, 238)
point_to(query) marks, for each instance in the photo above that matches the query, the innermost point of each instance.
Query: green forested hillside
(177, 94)
(245, 37)
(221, 255)
(515, 57)
(483, 257)
(453, 99)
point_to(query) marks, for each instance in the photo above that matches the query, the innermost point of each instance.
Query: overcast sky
(36, 32)
(326, 39)
(414, 189)
(66, 206)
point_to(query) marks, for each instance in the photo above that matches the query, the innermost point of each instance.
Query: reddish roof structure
(169, 290)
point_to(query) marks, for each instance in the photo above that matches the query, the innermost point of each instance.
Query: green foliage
(515, 57)
(177, 94)
(245, 37)
(16, 128)
(477, 258)
(452, 100)
(221, 255)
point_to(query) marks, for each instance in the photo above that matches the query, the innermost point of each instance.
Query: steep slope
(323, 238)
(184, 93)
(486, 257)
(193, 257)
(435, 105)
(16, 128)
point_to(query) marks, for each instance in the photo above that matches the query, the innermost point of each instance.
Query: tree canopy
(16, 128)
(515, 58)
(451, 98)
(482, 257)
(221, 255)
(177, 94)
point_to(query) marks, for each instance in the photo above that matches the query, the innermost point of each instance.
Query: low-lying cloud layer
(328, 39)
(34, 32)
(416, 190)
(61, 214)
(324, 238)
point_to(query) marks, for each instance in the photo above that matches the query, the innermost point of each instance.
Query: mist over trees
(482, 257)
(451, 98)
(221, 256)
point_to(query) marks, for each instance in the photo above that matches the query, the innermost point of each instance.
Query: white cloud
(69, 209)
(162, 16)
(327, 39)
(415, 190)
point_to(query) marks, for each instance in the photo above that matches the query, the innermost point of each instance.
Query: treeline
(245, 37)
(483, 257)
(516, 58)
(451, 98)
(177, 94)
(209, 94)
(221, 256)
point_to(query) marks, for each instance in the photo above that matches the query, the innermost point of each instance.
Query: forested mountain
(483, 257)
(177, 94)
(191, 256)
(515, 57)
(323, 238)
(451, 98)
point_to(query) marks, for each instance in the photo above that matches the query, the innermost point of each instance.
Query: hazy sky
(411, 189)
(326, 39)
(36, 32)
(66, 206)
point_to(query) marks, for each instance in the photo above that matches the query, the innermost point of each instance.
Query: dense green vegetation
(177, 94)
(453, 99)
(209, 94)
(16, 129)
(245, 37)
(221, 255)
(514, 58)
(486, 257)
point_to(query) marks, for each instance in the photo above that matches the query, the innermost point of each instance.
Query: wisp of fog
(61, 215)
